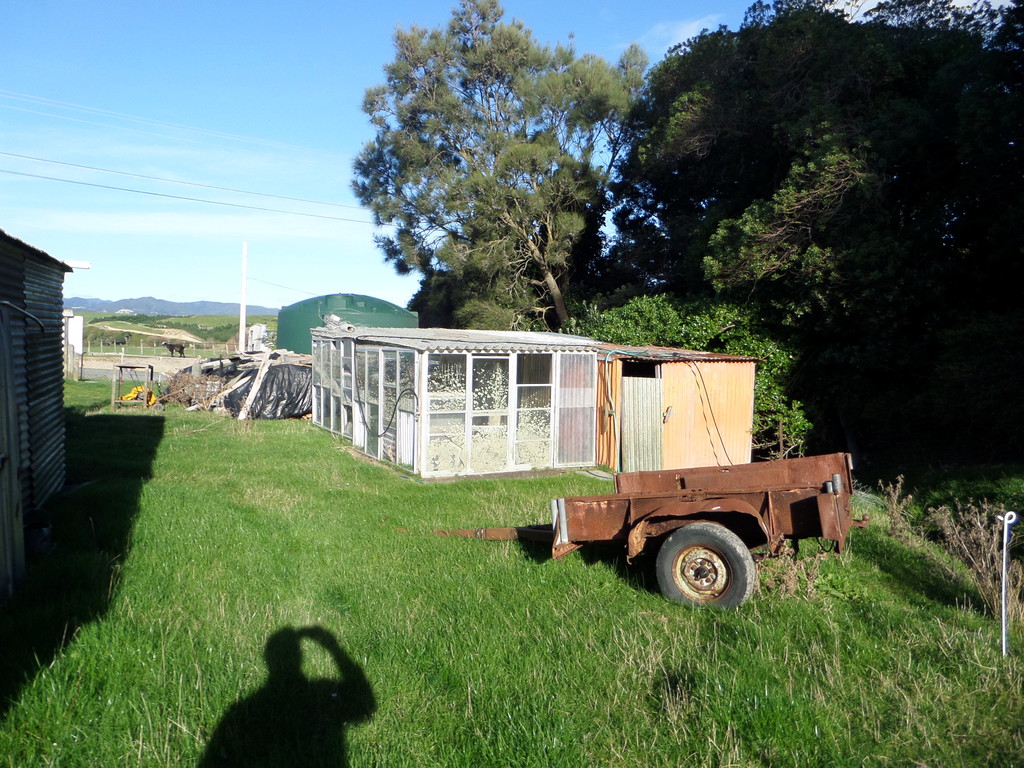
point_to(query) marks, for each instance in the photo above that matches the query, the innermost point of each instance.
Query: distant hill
(147, 305)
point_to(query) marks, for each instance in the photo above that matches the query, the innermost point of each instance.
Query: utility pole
(241, 306)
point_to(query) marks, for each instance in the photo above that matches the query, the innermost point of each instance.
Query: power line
(286, 287)
(176, 181)
(181, 197)
(43, 101)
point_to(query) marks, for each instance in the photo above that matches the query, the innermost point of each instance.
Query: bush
(781, 427)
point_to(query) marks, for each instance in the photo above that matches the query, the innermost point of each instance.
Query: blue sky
(251, 96)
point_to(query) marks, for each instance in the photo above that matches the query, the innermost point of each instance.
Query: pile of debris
(273, 385)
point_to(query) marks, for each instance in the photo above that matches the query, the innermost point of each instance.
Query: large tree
(489, 167)
(857, 185)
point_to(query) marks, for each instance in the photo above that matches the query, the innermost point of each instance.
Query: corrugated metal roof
(31, 250)
(670, 354)
(454, 340)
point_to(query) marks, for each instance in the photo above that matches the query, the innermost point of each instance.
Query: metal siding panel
(33, 364)
(12, 289)
(678, 433)
(712, 413)
(45, 369)
(12, 548)
(731, 397)
(641, 424)
(739, 412)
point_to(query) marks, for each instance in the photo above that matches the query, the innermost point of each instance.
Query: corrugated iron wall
(12, 547)
(31, 284)
(641, 420)
(12, 348)
(712, 413)
(45, 365)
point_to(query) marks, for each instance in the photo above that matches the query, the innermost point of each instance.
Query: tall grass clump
(973, 535)
(970, 536)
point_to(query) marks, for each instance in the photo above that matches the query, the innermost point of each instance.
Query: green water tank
(295, 321)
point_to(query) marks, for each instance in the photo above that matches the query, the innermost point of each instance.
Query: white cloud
(665, 34)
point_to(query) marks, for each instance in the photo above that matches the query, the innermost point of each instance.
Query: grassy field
(228, 593)
(196, 328)
(173, 321)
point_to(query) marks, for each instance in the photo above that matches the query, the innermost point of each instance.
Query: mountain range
(147, 305)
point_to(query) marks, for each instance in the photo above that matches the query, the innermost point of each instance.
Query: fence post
(1009, 519)
(70, 363)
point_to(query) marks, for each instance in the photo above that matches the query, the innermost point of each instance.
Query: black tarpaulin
(285, 393)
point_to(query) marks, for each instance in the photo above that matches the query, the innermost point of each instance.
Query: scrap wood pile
(272, 385)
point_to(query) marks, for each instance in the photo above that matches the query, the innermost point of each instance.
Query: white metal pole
(241, 306)
(1008, 520)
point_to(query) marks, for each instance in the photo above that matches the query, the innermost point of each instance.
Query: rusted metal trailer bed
(706, 521)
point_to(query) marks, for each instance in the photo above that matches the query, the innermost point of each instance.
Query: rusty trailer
(709, 524)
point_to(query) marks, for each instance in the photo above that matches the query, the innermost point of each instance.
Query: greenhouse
(449, 402)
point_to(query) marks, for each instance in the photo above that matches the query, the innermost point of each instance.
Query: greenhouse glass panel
(361, 356)
(489, 447)
(490, 384)
(536, 453)
(372, 394)
(534, 425)
(533, 368)
(533, 438)
(346, 372)
(389, 444)
(332, 363)
(372, 412)
(446, 445)
(318, 363)
(407, 381)
(534, 397)
(321, 385)
(533, 410)
(337, 419)
(446, 382)
(346, 423)
(389, 390)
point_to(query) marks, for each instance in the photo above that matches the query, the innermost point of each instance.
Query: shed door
(577, 396)
(641, 423)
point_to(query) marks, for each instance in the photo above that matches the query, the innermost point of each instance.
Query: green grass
(192, 545)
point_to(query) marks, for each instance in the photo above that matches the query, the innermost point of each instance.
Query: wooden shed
(663, 408)
(31, 394)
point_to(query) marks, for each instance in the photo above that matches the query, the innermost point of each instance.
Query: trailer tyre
(706, 564)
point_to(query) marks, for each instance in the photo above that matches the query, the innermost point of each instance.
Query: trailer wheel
(706, 564)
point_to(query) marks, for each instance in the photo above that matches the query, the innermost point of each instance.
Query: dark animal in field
(172, 348)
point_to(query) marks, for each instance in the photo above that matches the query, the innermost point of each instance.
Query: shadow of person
(292, 720)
